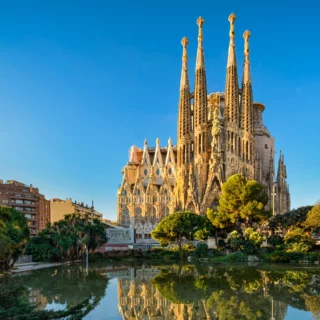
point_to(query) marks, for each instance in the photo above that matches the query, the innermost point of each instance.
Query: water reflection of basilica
(139, 299)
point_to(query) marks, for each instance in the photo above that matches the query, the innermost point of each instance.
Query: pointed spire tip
(232, 17)
(200, 21)
(247, 35)
(184, 41)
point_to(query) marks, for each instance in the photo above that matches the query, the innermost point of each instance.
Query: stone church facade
(219, 134)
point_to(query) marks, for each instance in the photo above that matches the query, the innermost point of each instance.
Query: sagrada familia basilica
(219, 134)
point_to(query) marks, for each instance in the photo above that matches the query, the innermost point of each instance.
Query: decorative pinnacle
(184, 42)
(157, 141)
(145, 142)
(170, 141)
(232, 19)
(246, 36)
(200, 23)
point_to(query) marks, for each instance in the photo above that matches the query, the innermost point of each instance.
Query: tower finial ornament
(246, 36)
(200, 23)
(232, 19)
(184, 43)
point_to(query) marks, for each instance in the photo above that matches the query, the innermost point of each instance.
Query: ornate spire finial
(170, 142)
(200, 53)
(232, 19)
(184, 43)
(246, 36)
(200, 22)
(246, 71)
(145, 142)
(157, 142)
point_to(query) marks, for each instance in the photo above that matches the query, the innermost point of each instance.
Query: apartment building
(59, 208)
(29, 201)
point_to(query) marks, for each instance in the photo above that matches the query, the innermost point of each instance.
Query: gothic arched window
(125, 215)
(138, 213)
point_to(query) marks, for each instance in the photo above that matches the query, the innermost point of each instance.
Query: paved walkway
(33, 266)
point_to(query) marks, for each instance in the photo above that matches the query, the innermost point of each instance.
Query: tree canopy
(241, 202)
(295, 217)
(14, 236)
(67, 239)
(177, 226)
(313, 218)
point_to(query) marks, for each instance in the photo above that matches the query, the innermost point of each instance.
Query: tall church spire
(247, 102)
(184, 83)
(184, 116)
(247, 99)
(231, 110)
(200, 94)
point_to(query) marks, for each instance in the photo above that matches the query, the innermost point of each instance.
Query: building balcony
(22, 196)
(34, 205)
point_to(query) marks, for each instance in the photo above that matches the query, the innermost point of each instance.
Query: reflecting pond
(173, 291)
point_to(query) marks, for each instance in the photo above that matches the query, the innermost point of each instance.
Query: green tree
(14, 236)
(205, 230)
(241, 202)
(298, 240)
(67, 239)
(177, 226)
(313, 218)
(295, 217)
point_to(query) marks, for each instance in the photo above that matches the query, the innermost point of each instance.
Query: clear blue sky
(82, 81)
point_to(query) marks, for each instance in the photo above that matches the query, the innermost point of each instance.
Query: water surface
(173, 291)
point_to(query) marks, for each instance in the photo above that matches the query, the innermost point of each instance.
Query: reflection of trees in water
(220, 293)
(68, 285)
(79, 290)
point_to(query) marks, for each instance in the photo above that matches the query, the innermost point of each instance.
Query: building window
(266, 146)
(138, 236)
(158, 172)
(170, 171)
(5, 201)
(145, 172)
(147, 236)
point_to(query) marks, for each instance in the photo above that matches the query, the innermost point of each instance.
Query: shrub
(188, 247)
(279, 256)
(201, 250)
(215, 253)
(276, 241)
(221, 244)
(236, 257)
(297, 240)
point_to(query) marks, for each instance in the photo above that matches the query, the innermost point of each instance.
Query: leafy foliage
(241, 202)
(313, 218)
(177, 226)
(295, 217)
(201, 250)
(297, 240)
(14, 236)
(276, 241)
(67, 239)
